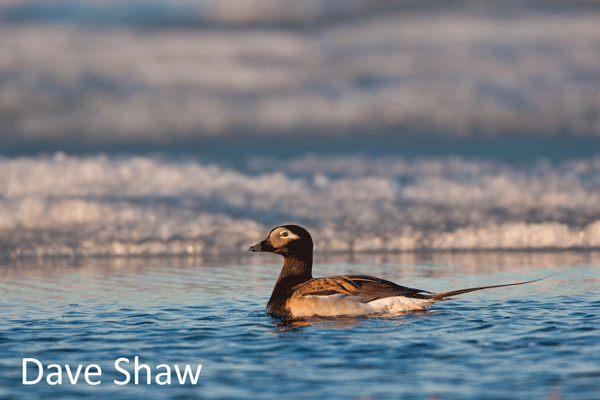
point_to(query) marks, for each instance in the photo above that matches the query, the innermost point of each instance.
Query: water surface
(526, 342)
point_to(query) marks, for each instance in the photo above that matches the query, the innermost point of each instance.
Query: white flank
(400, 304)
(344, 305)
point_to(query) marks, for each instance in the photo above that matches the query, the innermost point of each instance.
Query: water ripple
(495, 344)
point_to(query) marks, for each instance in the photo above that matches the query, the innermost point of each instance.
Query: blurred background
(169, 127)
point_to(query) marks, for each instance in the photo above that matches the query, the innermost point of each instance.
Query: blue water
(529, 342)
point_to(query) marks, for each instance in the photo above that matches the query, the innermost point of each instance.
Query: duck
(298, 295)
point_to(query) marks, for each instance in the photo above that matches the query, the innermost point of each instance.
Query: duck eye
(284, 234)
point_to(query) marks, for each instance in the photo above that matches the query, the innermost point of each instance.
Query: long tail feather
(445, 295)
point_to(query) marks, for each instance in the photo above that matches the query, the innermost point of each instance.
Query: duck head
(288, 241)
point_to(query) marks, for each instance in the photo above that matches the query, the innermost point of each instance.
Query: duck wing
(367, 287)
(371, 288)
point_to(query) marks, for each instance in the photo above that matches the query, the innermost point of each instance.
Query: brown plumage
(368, 288)
(297, 294)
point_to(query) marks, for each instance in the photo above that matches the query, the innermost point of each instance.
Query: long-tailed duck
(298, 295)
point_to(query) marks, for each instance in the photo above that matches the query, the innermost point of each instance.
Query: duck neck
(294, 272)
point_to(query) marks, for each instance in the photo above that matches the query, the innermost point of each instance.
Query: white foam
(96, 205)
(451, 73)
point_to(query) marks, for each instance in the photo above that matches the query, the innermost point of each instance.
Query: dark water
(528, 342)
(239, 150)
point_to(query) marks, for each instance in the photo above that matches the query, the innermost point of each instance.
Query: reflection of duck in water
(297, 294)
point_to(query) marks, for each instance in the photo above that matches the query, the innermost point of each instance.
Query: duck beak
(262, 246)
